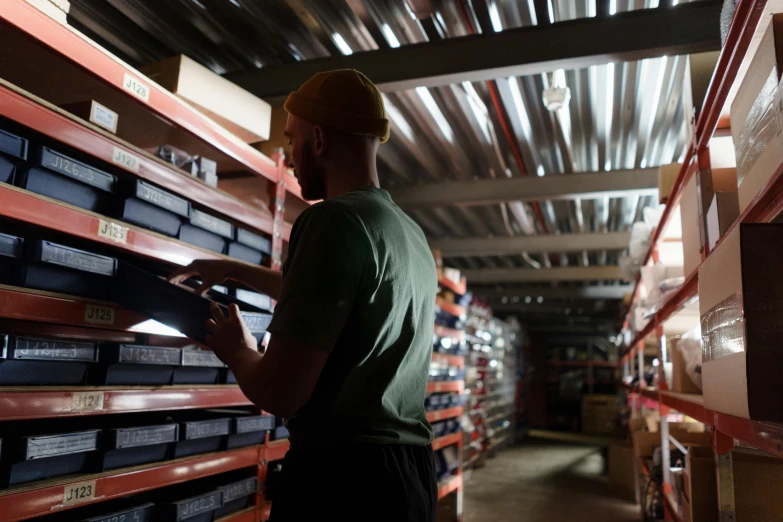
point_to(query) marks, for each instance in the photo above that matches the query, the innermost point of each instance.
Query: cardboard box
(681, 381)
(701, 486)
(667, 175)
(240, 112)
(621, 469)
(95, 113)
(722, 213)
(754, 116)
(758, 480)
(691, 233)
(740, 296)
(599, 414)
(644, 442)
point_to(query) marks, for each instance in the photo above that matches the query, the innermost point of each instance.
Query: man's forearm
(249, 374)
(261, 279)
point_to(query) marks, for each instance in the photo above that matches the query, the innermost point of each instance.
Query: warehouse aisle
(544, 483)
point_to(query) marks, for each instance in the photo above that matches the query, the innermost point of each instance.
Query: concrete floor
(543, 482)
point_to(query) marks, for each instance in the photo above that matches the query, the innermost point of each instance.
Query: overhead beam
(587, 185)
(576, 44)
(498, 246)
(563, 293)
(530, 275)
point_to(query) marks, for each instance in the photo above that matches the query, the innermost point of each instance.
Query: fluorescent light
(540, 170)
(532, 8)
(551, 11)
(643, 163)
(429, 102)
(397, 117)
(341, 44)
(494, 16)
(609, 112)
(612, 7)
(199, 4)
(389, 34)
(654, 4)
(591, 11)
(516, 95)
(235, 3)
(478, 109)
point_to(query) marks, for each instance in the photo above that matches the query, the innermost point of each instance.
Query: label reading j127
(195, 506)
(136, 87)
(125, 159)
(96, 314)
(80, 492)
(113, 232)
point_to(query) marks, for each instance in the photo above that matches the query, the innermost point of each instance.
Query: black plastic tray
(212, 224)
(13, 145)
(254, 241)
(62, 188)
(52, 253)
(149, 216)
(160, 198)
(122, 510)
(201, 238)
(172, 305)
(74, 169)
(244, 253)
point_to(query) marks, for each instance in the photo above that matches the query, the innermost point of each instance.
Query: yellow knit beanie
(345, 100)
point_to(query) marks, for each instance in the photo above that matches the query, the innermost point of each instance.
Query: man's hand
(229, 337)
(211, 272)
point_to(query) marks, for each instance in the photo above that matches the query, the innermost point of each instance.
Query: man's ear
(320, 140)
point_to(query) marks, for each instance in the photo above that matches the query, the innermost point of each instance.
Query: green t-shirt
(360, 282)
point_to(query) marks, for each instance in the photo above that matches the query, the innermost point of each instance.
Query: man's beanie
(344, 100)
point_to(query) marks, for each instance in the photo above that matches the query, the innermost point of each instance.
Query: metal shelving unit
(766, 206)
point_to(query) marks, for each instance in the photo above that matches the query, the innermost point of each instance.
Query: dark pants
(357, 482)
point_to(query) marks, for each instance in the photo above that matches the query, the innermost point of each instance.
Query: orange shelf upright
(451, 308)
(35, 501)
(450, 485)
(447, 440)
(39, 403)
(275, 450)
(446, 386)
(17, 107)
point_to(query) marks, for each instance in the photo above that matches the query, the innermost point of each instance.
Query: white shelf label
(113, 231)
(96, 314)
(87, 401)
(136, 87)
(125, 159)
(78, 493)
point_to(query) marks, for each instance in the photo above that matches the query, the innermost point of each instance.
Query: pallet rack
(747, 23)
(67, 316)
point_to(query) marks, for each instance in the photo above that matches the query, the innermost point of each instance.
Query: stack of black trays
(11, 250)
(151, 207)
(13, 152)
(27, 458)
(58, 176)
(237, 495)
(198, 367)
(249, 247)
(206, 231)
(136, 445)
(200, 435)
(247, 428)
(33, 361)
(58, 268)
(131, 364)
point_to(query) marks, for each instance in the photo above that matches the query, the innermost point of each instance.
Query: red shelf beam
(248, 515)
(450, 308)
(266, 511)
(38, 403)
(275, 450)
(15, 106)
(21, 205)
(451, 360)
(450, 485)
(82, 51)
(30, 502)
(460, 288)
(446, 386)
(449, 413)
(446, 440)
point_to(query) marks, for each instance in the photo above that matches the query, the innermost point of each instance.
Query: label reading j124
(96, 314)
(113, 231)
(77, 493)
(87, 401)
(136, 88)
(125, 159)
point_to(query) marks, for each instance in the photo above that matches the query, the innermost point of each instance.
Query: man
(351, 342)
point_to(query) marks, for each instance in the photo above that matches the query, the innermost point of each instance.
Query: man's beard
(311, 176)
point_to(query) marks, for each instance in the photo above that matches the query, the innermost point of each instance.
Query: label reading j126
(96, 314)
(135, 437)
(113, 232)
(77, 260)
(136, 87)
(80, 492)
(125, 159)
(198, 505)
(87, 401)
